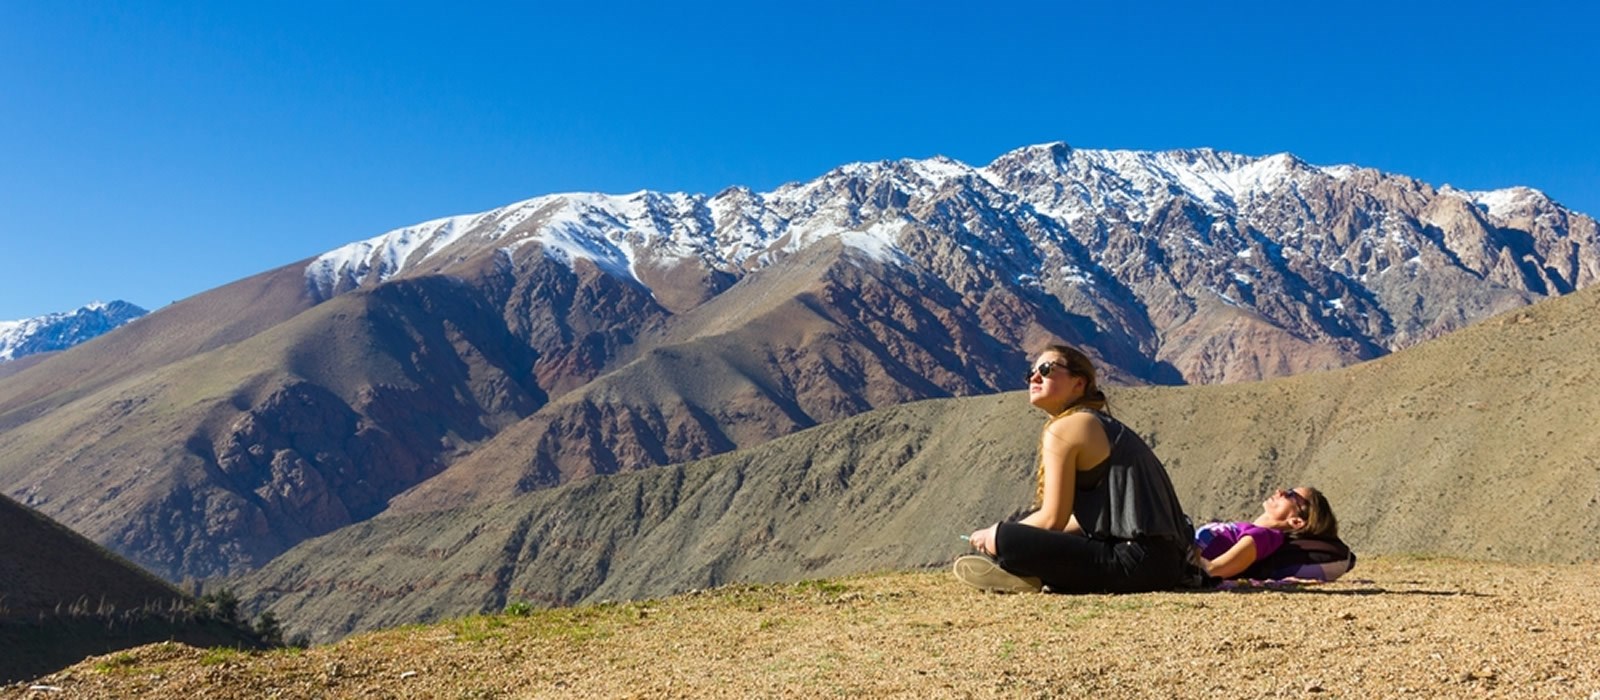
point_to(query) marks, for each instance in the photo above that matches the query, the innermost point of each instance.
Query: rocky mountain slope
(471, 359)
(1137, 245)
(60, 331)
(1442, 449)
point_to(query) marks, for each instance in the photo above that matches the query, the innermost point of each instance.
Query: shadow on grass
(1314, 590)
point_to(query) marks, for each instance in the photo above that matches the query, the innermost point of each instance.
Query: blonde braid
(1038, 488)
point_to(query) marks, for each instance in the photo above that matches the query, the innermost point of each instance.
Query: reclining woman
(1228, 549)
(1107, 518)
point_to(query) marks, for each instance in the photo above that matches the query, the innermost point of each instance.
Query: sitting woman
(1107, 518)
(1227, 549)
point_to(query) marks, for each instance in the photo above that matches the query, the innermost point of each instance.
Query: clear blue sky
(152, 150)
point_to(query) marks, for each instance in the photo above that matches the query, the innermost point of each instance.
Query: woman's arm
(1234, 561)
(1064, 441)
(1063, 446)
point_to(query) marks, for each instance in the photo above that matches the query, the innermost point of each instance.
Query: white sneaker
(984, 574)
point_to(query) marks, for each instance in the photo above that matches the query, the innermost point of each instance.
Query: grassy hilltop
(1395, 627)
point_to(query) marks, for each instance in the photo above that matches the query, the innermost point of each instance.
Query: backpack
(1306, 558)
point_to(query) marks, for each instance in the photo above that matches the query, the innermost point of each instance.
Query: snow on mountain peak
(867, 206)
(1503, 203)
(609, 230)
(940, 170)
(1339, 172)
(617, 231)
(62, 330)
(1209, 177)
(386, 254)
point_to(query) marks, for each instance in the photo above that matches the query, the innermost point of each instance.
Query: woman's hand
(983, 540)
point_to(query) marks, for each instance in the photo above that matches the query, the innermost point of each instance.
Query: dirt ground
(1393, 627)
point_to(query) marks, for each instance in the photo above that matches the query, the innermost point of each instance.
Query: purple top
(1215, 538)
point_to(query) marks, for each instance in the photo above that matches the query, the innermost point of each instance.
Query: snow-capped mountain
(1307, 266)
(59, 331)
(465, 359)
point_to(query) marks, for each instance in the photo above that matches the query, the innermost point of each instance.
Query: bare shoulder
(1075, 426)
(1079, 437)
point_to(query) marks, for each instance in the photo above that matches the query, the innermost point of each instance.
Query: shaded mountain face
(1448, 448)
(47, 569)
(59, 331)
(471, 359)
(64, 598)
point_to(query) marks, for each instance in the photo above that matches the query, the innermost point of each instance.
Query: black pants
(1072, 563)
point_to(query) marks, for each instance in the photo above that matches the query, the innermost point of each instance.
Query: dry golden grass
(1395, 627)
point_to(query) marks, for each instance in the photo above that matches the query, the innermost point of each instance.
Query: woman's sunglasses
(1301, 504)
(1045, 368)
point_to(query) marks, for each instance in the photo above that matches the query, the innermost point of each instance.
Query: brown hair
(1320, 521)
(1078, 365)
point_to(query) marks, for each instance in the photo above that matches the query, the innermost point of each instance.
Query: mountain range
(59, 331)
(470, 360)
(1442, 449)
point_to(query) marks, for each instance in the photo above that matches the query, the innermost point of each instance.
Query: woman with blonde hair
(1106, 517)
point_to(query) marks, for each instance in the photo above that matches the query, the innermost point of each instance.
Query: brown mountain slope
(1229, 344)
(821, 338)
(208, 463)
(201, 323)
(1455, 447)
(14, 366)
(222, 460)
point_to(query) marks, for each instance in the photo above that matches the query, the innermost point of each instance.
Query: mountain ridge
(1438, 450)
(479, 357)
(1196, 213)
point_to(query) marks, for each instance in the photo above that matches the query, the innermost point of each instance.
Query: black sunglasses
(1045, 368)
(1303, 505)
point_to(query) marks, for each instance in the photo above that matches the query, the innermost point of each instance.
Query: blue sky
(152, 150)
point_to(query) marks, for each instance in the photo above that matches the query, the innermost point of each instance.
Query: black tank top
(1129, 495)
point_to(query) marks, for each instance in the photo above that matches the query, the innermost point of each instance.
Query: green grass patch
(222, 655)
(822, 586)
(478, 628)
(289, 651)
(118, 663)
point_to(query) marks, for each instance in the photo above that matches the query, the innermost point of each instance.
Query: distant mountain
(471, 359)
(1220, 266)
(59, 331)
(1441, 449)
